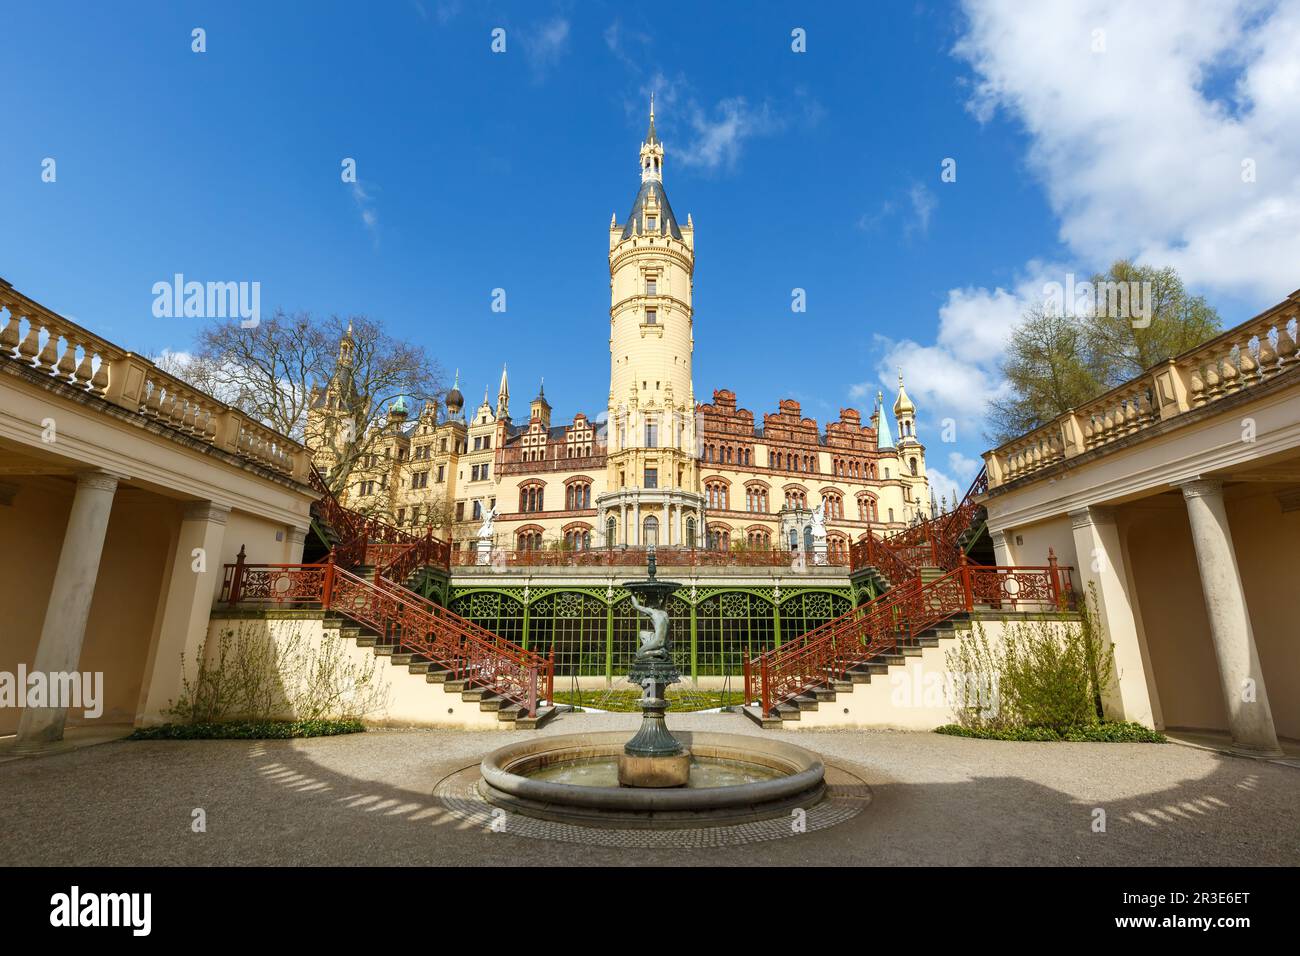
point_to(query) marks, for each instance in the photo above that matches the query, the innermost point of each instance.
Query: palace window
(834, 506)
(529, 541)
(651, 433)
(796, 498)
(651, 535)
(577, 496)
(420, 479)
(651, 287)
(756, 500)
(719, 539)
(651, 478)
(460, 512)
(442, 473)
(912, 464)
(651, 223)
(401, 516)
(651, 317)
(577, 539)
(866, 508)
(690, 532)
(478, 510)
(891, 514)
(531, 498)
(716, 495)
(611, 533)
(759, 539)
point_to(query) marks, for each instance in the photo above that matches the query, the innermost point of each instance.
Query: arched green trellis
(594, 630)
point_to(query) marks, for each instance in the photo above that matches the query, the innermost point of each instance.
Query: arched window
(912, 464)
(651, 531)
(690, 532)
(611, 533)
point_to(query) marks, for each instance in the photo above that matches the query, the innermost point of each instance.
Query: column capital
(999, 535)
(208, 511)
(97, 480)
(1090, 516)
(1202, 488)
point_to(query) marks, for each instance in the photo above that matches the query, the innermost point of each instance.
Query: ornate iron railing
(401, 619)
(369, 540)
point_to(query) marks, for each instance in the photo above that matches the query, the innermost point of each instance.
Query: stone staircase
(511, 715)
(878, 667)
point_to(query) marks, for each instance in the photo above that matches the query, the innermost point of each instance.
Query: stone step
(544, 714)
(507, 710)
(367, 640)
(755, 713)
(473, 694)
(910, 650)
(824, 694)
(844, 686)
(438, 676)
(788, 711)
(806, 701)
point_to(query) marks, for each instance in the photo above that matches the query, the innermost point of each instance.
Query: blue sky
(816, 170)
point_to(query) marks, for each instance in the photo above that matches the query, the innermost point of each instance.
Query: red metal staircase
(915, 603)
(402, 621)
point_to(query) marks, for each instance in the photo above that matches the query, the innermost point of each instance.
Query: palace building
(655, 466)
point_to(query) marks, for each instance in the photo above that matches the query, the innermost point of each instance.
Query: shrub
(250, 730)
(1046, 677)
(251, 677)
(1119, 731)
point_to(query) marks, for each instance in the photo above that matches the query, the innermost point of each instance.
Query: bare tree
(278, 371)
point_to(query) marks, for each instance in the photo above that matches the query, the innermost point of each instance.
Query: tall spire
(503, 396)
(883, 438)
(652, 152)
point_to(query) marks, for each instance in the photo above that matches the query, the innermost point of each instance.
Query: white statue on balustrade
(485, 534)
(819, 533)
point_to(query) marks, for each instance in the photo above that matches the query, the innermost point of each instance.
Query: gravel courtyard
(369, 799)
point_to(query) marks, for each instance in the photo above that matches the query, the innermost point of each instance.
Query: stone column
(1101, 564)
(191, 587)
(1249, 717)
(1001, 549)
(297, 542)
(636, 522)
(68, 610)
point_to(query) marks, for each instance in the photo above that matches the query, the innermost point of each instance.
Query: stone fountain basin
(505, 783)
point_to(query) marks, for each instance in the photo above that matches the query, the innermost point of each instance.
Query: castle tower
(652, 471)
(911, 453)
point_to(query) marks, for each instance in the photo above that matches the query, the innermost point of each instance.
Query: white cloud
(366, 208)
(713, 137)
(544, 45)
(923, 202)
(1140, 147)
(957, 375)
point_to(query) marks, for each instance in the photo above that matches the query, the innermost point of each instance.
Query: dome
(398, 407)
(903, 404)
(455, 401)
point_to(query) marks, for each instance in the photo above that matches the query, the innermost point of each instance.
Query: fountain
(653, 780)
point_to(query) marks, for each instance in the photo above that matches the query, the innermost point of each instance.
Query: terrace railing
(33, 336)
(1241, 359)
(634, 556)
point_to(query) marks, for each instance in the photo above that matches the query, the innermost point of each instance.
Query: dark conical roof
(669, 224)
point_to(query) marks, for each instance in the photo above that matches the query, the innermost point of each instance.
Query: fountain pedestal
(654, 757)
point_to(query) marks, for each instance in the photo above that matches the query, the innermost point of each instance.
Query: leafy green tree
(1047, 370)
(1120, 348)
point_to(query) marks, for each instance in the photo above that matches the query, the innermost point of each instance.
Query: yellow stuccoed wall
(408, 700)
(909, 697)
